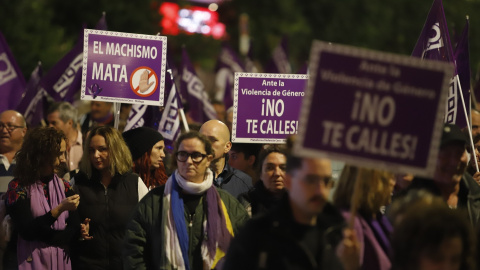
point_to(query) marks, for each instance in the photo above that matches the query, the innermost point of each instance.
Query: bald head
(14, 116)
(218, 133)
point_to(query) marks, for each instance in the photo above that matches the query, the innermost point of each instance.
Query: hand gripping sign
(124, 67)
(373, 109)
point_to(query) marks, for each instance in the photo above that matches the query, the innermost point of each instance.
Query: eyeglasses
(9, 127)
(197, 157)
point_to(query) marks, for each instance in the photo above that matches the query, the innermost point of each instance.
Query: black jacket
(233, 181)
(109, 210)
(274, 241)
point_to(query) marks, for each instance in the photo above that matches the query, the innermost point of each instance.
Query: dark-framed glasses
(197, 157)
(9, 127)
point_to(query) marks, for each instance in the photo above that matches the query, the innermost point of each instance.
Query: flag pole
(182, 113)
(467, 120)
(116, 108)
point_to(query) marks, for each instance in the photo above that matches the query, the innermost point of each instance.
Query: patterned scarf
(217, 227)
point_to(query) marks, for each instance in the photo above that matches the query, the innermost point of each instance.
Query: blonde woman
(109, 191)
(360, 195)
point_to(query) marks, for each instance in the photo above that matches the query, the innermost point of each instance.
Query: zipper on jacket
(191, 220)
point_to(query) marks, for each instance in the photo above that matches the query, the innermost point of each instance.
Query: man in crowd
(302, 232)
(12, 130)
(450, 181)
(475, 122)
(63, 116)
(243, 157)
(100, 114)
(232, 180)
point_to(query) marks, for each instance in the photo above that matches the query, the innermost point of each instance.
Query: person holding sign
(302, 232)
(187, 223)
(360, 194)
(232, 180)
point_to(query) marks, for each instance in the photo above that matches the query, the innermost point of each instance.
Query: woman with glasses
(148, 151)
(269, 188)
(187, 223)
(41, 205)
(360, 195)
(109, 191)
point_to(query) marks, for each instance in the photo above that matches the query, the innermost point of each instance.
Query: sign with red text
(266, 106)
(373, 109)
(124, 67)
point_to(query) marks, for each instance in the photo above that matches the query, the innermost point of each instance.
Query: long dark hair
(40, 148)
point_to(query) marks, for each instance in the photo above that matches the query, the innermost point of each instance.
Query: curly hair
(40, 148)
(151, 178)
(118, 152)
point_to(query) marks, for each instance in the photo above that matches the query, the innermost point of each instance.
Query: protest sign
(373, 109)
(266, 106)
(124, 67)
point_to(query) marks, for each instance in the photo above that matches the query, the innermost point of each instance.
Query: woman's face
(157, 155)
(273, 171)
(98, 152)
(188, 169)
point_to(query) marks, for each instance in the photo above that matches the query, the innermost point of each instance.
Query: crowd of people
(77, 193)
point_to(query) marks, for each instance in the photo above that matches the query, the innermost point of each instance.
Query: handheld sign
(266, 106)
(373, 109)
(124, 67)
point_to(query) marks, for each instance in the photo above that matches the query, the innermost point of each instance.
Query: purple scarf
(35, 254)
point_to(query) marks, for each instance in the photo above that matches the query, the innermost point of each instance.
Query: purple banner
(266, 106)
(12, 82)
(124, 67)
(373, 109)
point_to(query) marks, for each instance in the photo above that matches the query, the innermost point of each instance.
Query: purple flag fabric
(434, 41)
(462, 64)
(64, 80)
(12, 82)
(33, 103)
(279, 62)
(228, 63)
(200, 108)
(434, 44)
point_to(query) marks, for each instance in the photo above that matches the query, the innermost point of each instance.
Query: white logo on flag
(452, 101)
(62, 85)
(9, 73)
(170, 123)
(135, 118)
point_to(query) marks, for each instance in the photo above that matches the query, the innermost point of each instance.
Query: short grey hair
(65, 111)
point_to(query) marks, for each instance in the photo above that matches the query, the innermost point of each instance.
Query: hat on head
(452, 133)
(140, 140)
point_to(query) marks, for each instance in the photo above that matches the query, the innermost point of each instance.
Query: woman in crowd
(272, 163)
(41, 204)
(187, 223)
(147, 148)
(360, 195)
(109, 191)
(432, 236)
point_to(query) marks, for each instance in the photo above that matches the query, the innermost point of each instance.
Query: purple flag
(279, 62)
(434, 41)
(462, 65)
(33, 103)
(228, 63)
(200, 108)
(434, 44)
(12, 82)
(64, 80)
